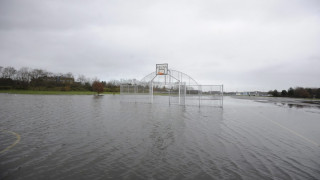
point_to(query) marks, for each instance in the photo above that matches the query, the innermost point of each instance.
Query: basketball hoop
(162, 69)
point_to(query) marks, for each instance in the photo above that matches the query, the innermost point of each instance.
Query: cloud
(242, 44)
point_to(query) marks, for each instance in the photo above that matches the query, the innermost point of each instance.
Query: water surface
(82, 137)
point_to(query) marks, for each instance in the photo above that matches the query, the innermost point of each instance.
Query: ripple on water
(82, 137)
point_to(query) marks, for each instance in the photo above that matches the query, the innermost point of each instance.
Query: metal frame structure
(180, 88)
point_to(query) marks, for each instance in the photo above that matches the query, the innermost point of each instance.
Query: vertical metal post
(222, 96)
(179, 92)
(170, 96)
(151, 92)
(185, 93)
(165, 79)
(199, 93)
(135, 93)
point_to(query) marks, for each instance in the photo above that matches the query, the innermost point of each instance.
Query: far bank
(35, 92)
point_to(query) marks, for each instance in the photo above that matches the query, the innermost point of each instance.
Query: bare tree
(50, 74)
(23, 74)
(82, 79)
(37, 73)
(9, 72)
(69, 75)
(95, 79)
(300, 92)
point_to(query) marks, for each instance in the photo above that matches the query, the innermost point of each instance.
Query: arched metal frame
(180, 88)
(182, 77)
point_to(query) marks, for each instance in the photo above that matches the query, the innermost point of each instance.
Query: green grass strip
(52, 92)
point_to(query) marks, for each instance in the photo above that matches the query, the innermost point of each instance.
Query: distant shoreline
(283, 100)
(52, 92)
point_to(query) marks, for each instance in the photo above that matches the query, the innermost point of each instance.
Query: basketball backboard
(162, 69)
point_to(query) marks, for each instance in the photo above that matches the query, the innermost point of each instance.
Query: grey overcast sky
(243, 44)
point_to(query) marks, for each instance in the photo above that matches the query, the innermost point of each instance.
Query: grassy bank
(52, 92)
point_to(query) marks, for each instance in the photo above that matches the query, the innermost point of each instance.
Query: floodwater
(86, 137)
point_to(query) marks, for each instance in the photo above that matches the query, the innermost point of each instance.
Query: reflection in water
(297, 106)
(300, 106)
(293, 105)
(83, 137)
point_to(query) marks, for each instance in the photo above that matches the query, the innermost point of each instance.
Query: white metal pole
(151, 92)
(135, 93)
(179, 92)
(170, 94)
(185, 93)
(222, 96)
(199, 94)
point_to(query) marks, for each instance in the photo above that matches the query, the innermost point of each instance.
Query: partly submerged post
(222, 96)
(151, 91)
(179, 94)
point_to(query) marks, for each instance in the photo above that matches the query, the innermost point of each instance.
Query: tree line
(298, 92)
(27, 78)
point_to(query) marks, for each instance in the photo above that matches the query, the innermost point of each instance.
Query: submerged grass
(52, 92)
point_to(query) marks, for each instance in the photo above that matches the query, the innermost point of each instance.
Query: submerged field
(83, 137)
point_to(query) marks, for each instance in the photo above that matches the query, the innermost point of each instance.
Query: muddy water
(82, 137)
